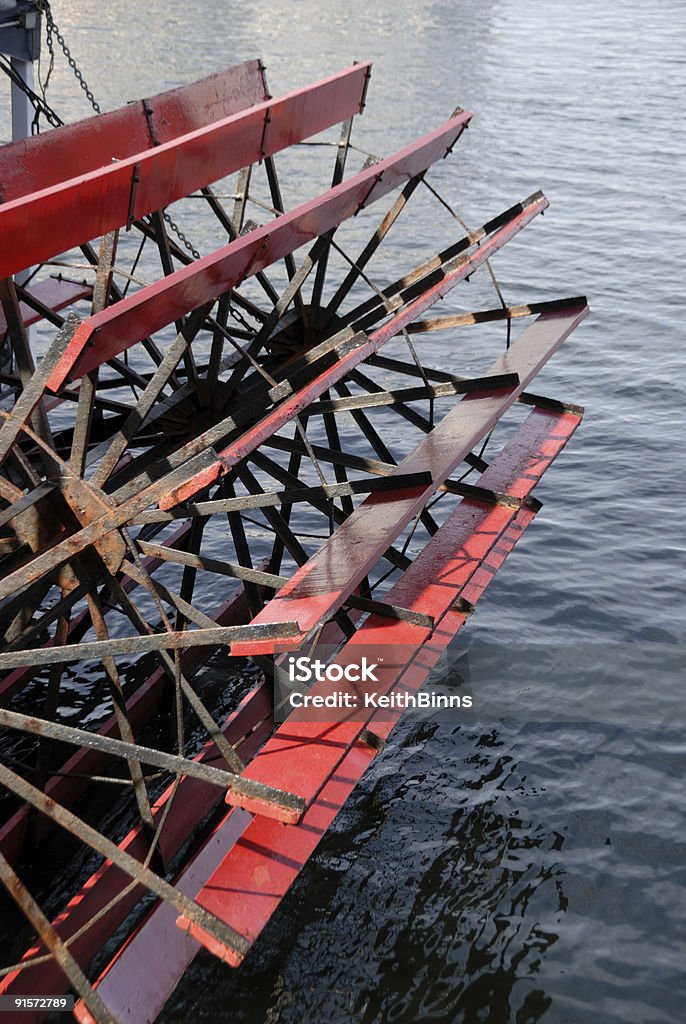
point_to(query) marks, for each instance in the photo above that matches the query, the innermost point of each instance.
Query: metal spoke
(41, 925)
(150, 395)
(233, 226)
(370, 248)
(103, 645)
(336, 179)
(172, 669)
(277, 200)
(129, 865)
(89, 383)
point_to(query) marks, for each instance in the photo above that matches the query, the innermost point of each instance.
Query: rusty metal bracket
(135, 178)
(372, 739)
(390, 611)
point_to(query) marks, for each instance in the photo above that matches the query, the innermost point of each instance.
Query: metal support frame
(239, 422)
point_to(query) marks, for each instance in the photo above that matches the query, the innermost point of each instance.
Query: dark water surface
(508, 871)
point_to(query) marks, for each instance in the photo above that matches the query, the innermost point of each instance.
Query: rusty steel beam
(82, 922)
(329, 758)
(140, 315)
(484, 316)
(389, 611)
(41, 925)
(117, 748)
(125, 862)
(266, 797)
(171, 640)
(120, 192)
(200, 466)
(358, 544)
(187, 558)
(34, 388)
(370, 248)
(400, 396)
(290, 496)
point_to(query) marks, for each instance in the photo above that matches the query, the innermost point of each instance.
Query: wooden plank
(192, 802)
(53, 292)
(54, 219)
(43, 161)
(112, 331)
(320, 587)
(249, 884)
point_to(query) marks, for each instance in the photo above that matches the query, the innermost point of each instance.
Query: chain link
(39, 105)
(51, 29)
(180, 235)
(240, 319)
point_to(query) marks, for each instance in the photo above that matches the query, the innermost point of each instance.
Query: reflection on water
(498, 875)
(461, 935)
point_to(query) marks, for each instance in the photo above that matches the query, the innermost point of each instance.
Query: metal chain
(181, 237)
(39, 105)
(51, 29)
(239, 318)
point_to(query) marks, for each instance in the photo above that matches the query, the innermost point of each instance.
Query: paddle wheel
(229, 454)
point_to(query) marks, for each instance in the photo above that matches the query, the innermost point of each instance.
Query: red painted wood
(299, 752)
(542, 438)
(70, 212)
(249, 884)
(320, 586)
(193, 801)
(53, 292)
(43, 161)
(144, 972)
(261, 867)
(365, 347)
(117, 328)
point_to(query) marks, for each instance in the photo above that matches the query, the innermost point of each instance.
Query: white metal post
(22, 111)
